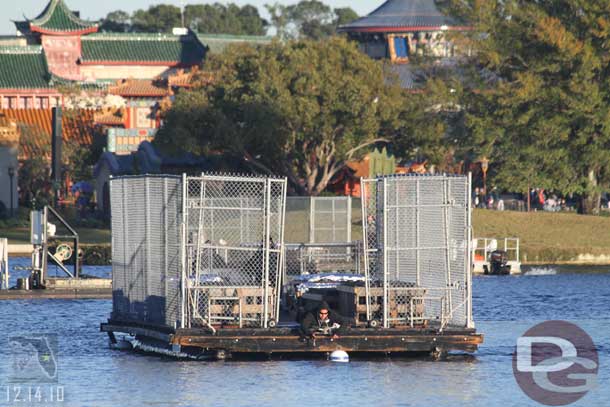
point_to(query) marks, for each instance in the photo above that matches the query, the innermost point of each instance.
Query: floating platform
(202, 344)
(64, 289)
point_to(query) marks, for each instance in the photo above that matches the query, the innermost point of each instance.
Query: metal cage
(197, 251)
(417, 233)
(234, 234)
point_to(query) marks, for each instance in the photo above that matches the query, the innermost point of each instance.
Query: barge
(201, 270)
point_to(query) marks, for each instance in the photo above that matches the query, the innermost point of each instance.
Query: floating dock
(64, 289)
(200, 343)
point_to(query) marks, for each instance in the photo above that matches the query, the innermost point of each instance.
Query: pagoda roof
(24, 67)
(141, 49)
(58, 19)
(404, 16)
(138, 88)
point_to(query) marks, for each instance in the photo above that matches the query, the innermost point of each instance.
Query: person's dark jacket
(311, 323)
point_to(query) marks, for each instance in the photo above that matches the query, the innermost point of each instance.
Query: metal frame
(335, 228)
(249, 213)
(408, 225)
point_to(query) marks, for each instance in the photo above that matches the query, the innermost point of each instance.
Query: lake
(91, 374)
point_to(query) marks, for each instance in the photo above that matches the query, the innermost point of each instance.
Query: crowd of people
(539, 200)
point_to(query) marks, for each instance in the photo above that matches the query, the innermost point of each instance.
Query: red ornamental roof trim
(408, 29)
(89, 30)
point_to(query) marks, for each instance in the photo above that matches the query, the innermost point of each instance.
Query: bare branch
(351, 152)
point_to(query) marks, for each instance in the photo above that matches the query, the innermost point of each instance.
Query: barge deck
(288, 340)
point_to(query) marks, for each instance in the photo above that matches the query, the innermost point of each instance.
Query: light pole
(11, 174)
(484, 166)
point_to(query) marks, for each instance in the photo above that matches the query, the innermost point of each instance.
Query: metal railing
(310, 258)
(481, 252)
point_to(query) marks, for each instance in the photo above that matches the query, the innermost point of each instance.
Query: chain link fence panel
(146, 264)
(417, 237)
(234, 238)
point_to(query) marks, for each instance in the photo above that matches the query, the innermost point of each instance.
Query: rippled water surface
(505, 307)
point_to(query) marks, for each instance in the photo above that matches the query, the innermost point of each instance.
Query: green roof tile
(57, 17)
(135, 47)
(23, 68)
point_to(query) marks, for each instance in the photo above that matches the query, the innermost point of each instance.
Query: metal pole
(417, 256)
(365, 244)
(446, 199)
(183, 255)
(282, 254)
(349, 218)
(469, 319)
(45, 248)
(165, 250)
(312, 212)
(266, 248)
(147, 236)
(385, 253)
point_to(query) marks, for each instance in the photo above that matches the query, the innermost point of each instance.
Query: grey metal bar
(184, 275)
(385, 254)
(417, 228)
(266, 262)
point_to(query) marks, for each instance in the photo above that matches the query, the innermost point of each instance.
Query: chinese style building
(58, 50)
(399, 30)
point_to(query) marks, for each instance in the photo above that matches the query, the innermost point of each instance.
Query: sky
(94, 10)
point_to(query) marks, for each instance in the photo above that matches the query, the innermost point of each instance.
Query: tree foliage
(159, 18)
(546, 119)
(214, 18)
(116, 21)
(308, 19)
(224, 19)
(300, 109)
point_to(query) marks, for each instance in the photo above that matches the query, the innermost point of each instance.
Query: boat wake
(541, 271)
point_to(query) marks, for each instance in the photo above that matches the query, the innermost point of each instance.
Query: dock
(73, 294)
(64, 289)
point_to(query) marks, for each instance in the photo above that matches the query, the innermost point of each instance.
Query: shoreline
(583, 260)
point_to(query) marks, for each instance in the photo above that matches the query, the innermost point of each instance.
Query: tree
(220, 19)
(160, 18)
(302, 109)
(308, 19)
(116, 21)
(546, 120)
(344, 15)
(312, 19)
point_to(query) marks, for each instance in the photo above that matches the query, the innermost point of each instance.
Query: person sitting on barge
(323, 322)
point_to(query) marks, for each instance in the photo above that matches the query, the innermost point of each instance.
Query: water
(504, 306)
